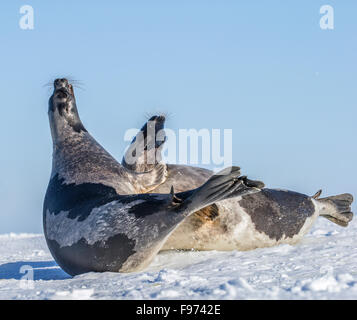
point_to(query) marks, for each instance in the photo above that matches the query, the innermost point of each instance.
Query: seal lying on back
(263, 219)
(93, 218)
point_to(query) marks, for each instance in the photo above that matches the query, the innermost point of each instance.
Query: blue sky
(264, 69)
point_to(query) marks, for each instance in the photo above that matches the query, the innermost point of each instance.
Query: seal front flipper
(143, 157)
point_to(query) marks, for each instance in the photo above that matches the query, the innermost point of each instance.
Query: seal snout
(61, 83)
(63, 89)
(157, 121)
(160, 118)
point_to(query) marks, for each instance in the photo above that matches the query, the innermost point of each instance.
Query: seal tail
(336, 208)
(224, 185)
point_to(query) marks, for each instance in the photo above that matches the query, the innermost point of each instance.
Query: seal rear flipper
(337, 209)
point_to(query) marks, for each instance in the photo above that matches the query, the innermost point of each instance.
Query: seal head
(62, 111)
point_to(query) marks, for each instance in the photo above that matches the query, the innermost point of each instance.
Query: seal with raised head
(95, 218)
(246, 222)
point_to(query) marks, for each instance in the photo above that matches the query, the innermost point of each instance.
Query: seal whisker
(72, 80)
(78, 86)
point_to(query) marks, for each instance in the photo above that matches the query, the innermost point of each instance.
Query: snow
(322, 266)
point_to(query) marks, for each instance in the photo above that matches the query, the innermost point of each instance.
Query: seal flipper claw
(174, 200)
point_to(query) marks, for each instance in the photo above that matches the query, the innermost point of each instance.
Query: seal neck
(65, 122)
(77, 156)
(84, 160)
(80, 153)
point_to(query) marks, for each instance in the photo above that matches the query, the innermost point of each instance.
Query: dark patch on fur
(61, 107)
(79, 200)
(278, 213)
(102, 256)
(143, 209)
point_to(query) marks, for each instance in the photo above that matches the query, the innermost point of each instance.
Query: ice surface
(322, 266)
